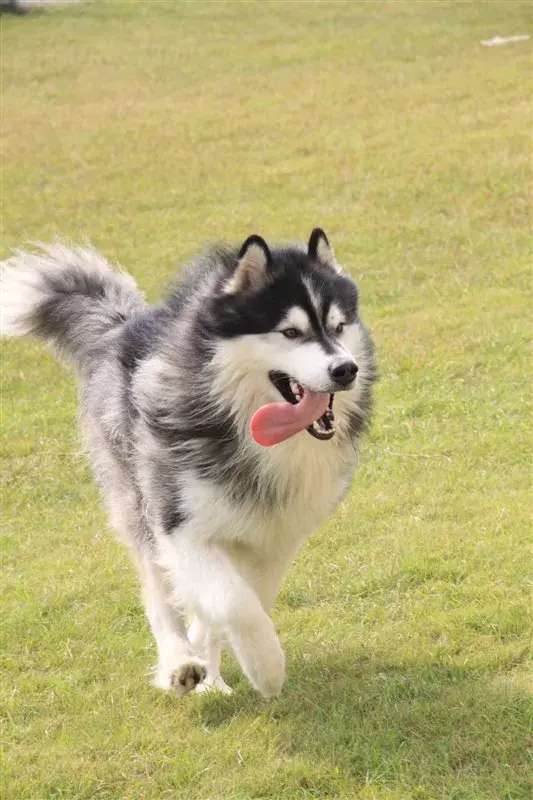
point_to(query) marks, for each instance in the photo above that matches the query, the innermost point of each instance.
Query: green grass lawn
(150, 128)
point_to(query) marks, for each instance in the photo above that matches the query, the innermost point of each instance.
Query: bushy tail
(69, 296)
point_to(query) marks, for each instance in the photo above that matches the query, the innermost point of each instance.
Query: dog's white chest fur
(309, 477)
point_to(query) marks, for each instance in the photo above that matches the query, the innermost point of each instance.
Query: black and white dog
(222, 426)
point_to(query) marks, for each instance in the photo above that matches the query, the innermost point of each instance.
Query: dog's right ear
(251, 271)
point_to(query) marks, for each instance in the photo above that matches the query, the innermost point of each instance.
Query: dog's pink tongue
(275, 422)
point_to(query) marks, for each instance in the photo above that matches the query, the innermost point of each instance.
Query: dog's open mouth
(303, 409)
(323, 427)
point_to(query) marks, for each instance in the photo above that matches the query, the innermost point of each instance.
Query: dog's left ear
(319, 249)
(251, 271)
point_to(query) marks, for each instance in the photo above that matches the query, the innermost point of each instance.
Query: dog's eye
(339, 329)
(291, 333)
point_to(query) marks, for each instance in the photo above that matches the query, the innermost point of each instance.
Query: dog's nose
(344, 373)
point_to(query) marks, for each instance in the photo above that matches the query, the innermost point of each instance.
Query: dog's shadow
(425, 726)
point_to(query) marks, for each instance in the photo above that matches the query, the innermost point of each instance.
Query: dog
(222, 426)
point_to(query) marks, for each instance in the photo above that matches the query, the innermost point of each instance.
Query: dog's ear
(319, 249)
(251, 271)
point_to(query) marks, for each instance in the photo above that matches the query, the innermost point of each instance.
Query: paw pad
(184, 678)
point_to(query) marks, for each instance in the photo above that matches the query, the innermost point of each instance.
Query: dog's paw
(187, 676)
(217, 685)
(259, 653)
(270, 685)
(269, 674)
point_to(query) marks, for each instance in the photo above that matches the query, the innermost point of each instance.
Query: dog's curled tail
(68, 296)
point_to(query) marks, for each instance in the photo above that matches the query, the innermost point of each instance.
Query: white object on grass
(503, 40)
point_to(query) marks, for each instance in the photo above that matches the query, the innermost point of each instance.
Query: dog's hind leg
(178, 667)
(208, 646)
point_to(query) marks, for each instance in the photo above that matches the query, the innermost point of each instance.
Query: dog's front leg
(178, 666)
(206, 581)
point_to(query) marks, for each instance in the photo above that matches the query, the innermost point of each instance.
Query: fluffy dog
(222, 426)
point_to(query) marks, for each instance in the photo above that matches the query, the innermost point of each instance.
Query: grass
(150, 128)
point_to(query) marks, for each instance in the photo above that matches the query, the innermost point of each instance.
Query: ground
(150, 128)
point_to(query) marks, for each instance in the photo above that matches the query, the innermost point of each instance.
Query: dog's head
(288, 326)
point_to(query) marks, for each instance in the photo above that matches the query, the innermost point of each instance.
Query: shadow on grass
(433, 730)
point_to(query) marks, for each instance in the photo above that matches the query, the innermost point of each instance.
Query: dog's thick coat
(167, 394)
